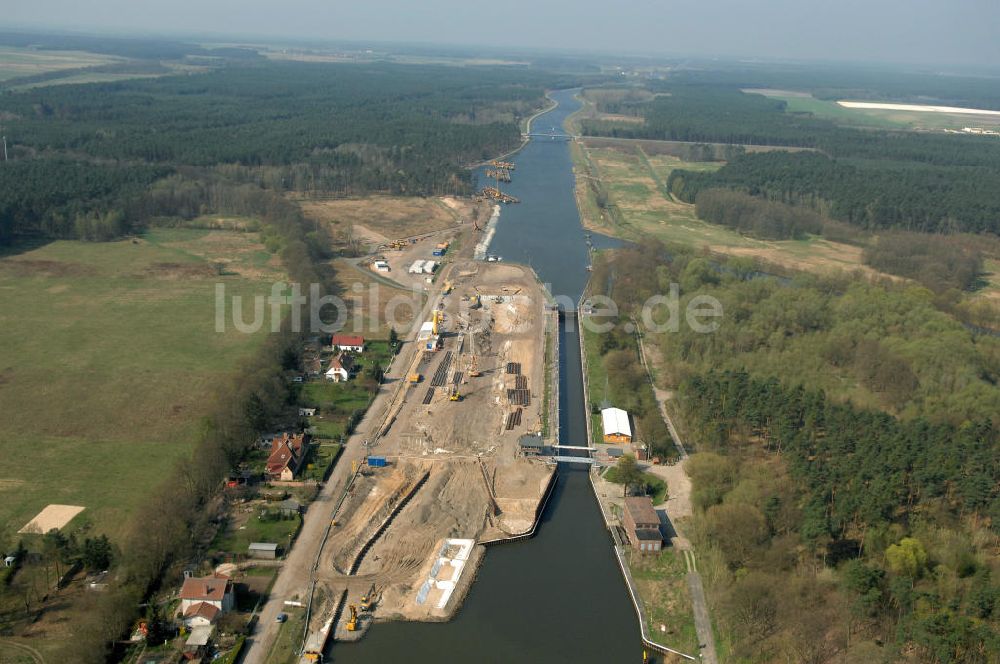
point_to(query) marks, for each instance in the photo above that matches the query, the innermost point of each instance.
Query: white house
(382, 266)
(204, 598)
(340, 368)
(348, 342)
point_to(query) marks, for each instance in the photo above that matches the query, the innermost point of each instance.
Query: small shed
(615, 452)
(290, 507)
(9, 561)
(197, 643)
(263, 550)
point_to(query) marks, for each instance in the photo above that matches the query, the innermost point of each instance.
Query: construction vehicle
(414, 378)
(368, 599)
(474, 371)
(352, 623)
(447, 287)
(476, 302)
(437, 319)
(455, 395)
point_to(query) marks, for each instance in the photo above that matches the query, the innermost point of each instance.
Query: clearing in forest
(635, 181)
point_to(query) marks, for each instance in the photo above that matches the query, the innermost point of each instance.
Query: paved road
(295, 578)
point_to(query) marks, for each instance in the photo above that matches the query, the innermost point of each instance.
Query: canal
(558, 597)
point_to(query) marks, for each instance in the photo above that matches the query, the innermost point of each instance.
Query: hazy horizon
(886, 31)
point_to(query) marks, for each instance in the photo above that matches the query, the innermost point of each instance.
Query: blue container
(377, 461)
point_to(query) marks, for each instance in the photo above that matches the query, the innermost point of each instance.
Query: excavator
(455, 395)
(368, 599)
(352, 623)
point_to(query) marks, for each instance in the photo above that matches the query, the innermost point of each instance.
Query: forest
(84, 150)
(846, 481)
(870, 178)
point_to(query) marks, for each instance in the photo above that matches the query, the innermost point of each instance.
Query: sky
(952, 32)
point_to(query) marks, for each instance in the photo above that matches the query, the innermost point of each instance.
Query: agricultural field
(112, 360)
(634, 185)
(18, 62)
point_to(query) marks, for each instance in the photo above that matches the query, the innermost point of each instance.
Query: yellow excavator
(455, 395)
(352, 623)
(368, 599)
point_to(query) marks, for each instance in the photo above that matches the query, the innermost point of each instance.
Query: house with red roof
(348, 342)
(288, 451)
(340, 368)
(205, 598)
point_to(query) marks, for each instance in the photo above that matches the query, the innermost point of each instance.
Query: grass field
(280, 531)
(879, 118)
(634, 182)
(110, 357)
(662, 584)
(18, 62)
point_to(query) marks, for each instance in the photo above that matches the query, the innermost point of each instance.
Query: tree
(97, 553)
(628, 473)
(907, 558)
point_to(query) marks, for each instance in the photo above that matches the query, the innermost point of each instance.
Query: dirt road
(679, 507)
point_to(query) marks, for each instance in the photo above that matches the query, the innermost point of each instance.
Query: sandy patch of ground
(53, 516)
(391, 217)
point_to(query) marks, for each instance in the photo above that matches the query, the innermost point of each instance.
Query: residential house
(287, 454)
(204, 598)
(616, 426)
(347, 342)
(642, 524)
(340, 368)
(307, 412)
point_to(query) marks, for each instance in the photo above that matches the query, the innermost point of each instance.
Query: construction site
(499, 171)
(444, 471)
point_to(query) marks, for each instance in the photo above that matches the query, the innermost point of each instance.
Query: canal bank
(558, 596)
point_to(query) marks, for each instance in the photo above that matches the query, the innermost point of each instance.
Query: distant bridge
(554, 137)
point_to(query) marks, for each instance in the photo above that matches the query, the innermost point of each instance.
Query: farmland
(112, 360)
(798, 102)
(18, 62)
